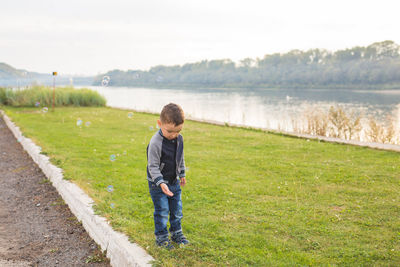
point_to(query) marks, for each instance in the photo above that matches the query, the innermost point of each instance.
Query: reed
(350, 125)
(43, 96)
(381, 133)
(354, 126)
(316, 122)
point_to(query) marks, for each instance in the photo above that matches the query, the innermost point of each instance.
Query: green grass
(64, 96)
(252, 198)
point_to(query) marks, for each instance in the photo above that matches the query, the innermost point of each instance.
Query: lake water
(273, 109)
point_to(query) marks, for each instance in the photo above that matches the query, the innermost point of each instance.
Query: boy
(165, 163)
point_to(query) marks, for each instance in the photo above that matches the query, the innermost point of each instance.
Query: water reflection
(265, 108)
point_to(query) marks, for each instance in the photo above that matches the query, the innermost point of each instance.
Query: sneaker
(180, 239)
(165, 244)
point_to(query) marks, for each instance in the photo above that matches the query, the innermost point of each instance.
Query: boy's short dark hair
(172, 113)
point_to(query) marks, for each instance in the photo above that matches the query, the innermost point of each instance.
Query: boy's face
(170, 130)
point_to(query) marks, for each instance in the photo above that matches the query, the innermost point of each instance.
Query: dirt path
(36, 226)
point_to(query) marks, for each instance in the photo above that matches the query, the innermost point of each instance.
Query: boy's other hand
(165, 189)
(183, 181)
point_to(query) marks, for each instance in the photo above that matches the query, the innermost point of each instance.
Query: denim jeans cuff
(176, 232)
(161, 238)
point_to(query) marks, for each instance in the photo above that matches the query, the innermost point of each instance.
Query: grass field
(252, 198)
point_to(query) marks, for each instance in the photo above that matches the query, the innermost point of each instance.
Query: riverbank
(252, 197)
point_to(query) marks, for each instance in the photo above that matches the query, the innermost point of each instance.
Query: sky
(89, 37)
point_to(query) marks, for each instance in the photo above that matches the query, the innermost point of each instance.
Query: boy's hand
(183, 181)
(165, 189)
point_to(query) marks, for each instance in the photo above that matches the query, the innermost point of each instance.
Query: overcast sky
(94, 36)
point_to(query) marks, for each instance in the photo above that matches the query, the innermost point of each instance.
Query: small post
(54, 88)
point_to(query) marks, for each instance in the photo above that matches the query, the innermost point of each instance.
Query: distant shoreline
(394, 89)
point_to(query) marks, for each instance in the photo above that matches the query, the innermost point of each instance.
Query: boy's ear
(159, 122)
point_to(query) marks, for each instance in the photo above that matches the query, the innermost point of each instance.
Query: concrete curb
(120, 250)
(380, 146)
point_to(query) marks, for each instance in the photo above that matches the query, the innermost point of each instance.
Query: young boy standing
(166, 175)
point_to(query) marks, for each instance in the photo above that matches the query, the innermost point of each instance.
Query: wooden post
(54, 88)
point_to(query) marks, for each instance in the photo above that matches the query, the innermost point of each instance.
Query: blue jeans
(164, 205)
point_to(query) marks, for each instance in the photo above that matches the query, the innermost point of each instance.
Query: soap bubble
(158, 127)
(110, 188)
(45, 109)
(87, 124)
(130, 115)
(37, 104)
(112, 205)
(79, 122)
(113, 157)
(151, 128)
(105, 81)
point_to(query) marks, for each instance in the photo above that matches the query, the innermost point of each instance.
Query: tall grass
(43, 96)
(349, 125)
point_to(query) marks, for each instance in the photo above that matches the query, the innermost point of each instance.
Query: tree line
(373, 66)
